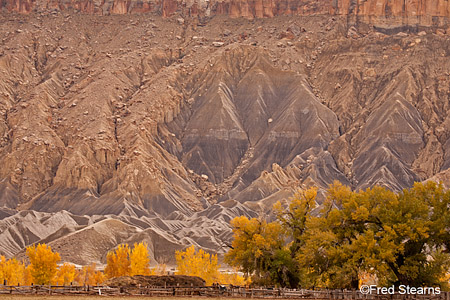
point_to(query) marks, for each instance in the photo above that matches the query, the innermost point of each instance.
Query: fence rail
(220, 291)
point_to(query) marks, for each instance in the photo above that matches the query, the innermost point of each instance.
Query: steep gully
(124, 134)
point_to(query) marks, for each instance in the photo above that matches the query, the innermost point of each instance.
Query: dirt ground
(172, 280)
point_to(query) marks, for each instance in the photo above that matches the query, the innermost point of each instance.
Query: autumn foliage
(43, 263)
(204, 265)
(123, 261)
(65, 274)
(353, 237)
(89, 275)
(43, 269)
(198, 263)
(139, 260)
(12, 270)
(118, 262)
(372, 236)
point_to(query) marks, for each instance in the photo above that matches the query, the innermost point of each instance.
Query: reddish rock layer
(409, 11)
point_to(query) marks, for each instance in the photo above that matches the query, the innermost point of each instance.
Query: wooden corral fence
(218, 291)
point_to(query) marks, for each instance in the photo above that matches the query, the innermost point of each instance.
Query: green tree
(260, 249)
(400, 238)
(294, 217)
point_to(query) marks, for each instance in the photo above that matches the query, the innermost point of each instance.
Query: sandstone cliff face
(378, 12)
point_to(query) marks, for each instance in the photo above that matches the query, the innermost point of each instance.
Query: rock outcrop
(378, 12)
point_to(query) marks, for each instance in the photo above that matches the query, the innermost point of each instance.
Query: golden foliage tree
(198, 263)
(12, 271)
(88, 275)
(355, 235)
(43, 263)
(139, 260)
(401, 238)
(65, 274)
(259, 249)
(118, 262)
(27, 278)
(234, 278)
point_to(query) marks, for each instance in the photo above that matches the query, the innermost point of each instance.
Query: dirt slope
(171, 127)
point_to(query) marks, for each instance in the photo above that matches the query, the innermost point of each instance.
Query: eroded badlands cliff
(382, 12)
(122, 128)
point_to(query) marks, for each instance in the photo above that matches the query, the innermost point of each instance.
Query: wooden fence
(221, 291)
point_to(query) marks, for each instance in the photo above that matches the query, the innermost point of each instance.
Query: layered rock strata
(378, 12)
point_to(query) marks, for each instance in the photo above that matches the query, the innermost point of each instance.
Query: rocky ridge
(378, 12)
(166, 128)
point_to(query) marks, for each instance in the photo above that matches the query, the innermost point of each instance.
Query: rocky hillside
(123, 128)
(386, 13)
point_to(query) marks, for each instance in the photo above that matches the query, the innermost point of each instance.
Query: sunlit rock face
(378, 12)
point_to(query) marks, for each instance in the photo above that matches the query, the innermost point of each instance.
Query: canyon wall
(130, 128)
(423, 12)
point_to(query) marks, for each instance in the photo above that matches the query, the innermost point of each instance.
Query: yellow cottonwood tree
(65, 274)
(118, 262)
(12, 271)
(259, 250)
(88, 275)
(234, 278)
(198, 263)
(97, 278)
(2, 269)
(43, 263)
(139, 260)
(397, 238)
(27, 278)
